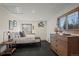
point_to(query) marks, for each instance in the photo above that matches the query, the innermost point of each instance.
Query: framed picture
(10, 24)
(14, 23)
(41, 24)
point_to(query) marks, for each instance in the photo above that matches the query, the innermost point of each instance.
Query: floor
(34, 50)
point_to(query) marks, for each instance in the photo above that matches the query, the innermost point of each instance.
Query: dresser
(65, 45)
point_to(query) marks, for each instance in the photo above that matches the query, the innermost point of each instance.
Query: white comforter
(27, 39)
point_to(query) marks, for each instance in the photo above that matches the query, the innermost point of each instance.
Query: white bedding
(27, 39)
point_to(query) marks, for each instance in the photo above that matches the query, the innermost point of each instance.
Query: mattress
(26, 40)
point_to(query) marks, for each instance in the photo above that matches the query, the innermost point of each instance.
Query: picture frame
(14, 23)
(41, 24)
(10, 24)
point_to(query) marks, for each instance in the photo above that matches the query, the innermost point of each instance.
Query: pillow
(22, 34)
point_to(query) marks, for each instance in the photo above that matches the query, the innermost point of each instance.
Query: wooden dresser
(65, 45)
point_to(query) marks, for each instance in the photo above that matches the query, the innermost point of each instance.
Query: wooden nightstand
(10, 49)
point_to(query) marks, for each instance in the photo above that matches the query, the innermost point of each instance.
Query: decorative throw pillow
(22, 34)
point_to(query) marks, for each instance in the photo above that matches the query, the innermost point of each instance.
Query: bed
(30, 38)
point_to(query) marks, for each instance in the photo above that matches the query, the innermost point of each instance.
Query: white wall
(51, 24)
(4, 26)
(3, 22)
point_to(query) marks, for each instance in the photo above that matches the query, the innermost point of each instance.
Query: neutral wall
(4, 25)
(51, 24)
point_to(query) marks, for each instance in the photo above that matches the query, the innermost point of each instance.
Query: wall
(4, 25)
(3, 22)
(51, 24)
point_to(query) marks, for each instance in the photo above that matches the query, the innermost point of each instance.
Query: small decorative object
(41, 24)
(8, 33)
(56, 30)
(60, 30)
(10, 24)
(14, 23)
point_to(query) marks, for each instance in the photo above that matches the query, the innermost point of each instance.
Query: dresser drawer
(62, 51)
(63, 43)
(53, 48)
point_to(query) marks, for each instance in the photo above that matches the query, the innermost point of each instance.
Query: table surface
(8, 42)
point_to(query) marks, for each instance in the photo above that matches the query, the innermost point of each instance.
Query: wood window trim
(66, 14)
(69, 12)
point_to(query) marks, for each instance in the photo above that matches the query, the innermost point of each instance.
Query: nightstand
(10, 47)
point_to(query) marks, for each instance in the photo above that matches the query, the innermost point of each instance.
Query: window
(69, 20)
(62, 23)
(73, 21)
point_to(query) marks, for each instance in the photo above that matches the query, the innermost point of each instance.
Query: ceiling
(35, 11)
